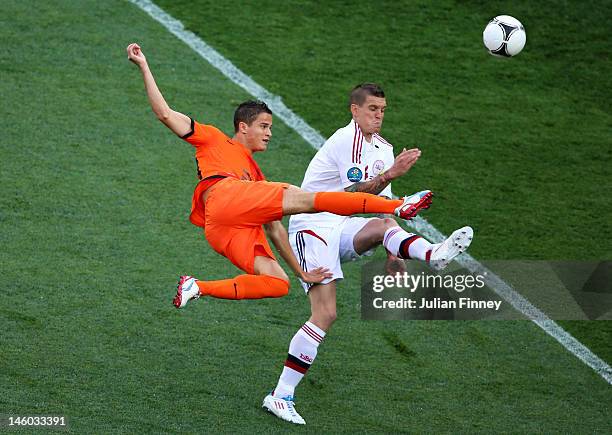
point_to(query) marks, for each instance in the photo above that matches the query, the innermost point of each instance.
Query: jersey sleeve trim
(185, 136)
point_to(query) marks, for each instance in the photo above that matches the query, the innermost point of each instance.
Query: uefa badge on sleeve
(354, 174)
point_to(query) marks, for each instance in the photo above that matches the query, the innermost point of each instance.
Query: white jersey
(345, 158)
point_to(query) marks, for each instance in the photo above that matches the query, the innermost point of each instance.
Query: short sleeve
(344, 153)
(201, 134)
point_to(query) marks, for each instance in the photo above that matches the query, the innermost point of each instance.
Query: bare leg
(323, 305)
(371, 235)
(296, 200)
(268, 266)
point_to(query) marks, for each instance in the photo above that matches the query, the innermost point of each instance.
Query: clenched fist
(135, 54)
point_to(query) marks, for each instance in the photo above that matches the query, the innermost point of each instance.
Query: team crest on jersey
(354, 174)
(378, 167)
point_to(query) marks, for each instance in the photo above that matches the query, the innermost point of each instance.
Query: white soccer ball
(504, 36)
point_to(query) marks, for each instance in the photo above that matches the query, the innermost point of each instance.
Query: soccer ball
(504, 36)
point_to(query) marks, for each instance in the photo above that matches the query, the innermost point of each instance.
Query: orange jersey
(217, 154)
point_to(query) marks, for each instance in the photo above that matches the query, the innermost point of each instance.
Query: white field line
(506, 292)
(420, 225)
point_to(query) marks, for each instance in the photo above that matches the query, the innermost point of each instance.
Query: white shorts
(327, 247)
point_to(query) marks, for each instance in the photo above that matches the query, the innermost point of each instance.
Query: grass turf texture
(94, 230)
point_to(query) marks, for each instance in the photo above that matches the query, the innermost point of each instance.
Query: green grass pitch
(96, 195)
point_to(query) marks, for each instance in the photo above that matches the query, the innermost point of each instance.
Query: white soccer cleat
(186, 290)
(413, 204)
(282, 408)
(455, 244)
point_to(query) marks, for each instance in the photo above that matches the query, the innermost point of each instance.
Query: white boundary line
(315, 139)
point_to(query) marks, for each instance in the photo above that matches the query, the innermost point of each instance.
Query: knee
(388, 223)
(325, 318)
(266, 266)
(330, 317)
(382, 225)
(280, 274)
(385, 225)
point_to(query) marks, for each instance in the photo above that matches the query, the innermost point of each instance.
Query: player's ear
(354, 109)
(243, 127)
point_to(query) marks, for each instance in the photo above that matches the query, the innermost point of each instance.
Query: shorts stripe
(300, 245)
(303, 243)
(313, 234)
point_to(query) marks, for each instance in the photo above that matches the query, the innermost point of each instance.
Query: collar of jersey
(240, 144)
(368, 144)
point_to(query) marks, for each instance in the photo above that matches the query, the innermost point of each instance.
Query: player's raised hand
(135, 54)
(403, 162)
(317, 275)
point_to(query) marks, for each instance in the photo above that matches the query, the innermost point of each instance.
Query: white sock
(302, 352)
(406, 245)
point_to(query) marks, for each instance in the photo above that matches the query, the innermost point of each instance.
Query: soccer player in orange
(233, 201)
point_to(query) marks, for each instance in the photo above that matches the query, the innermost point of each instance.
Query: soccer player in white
(355, 158)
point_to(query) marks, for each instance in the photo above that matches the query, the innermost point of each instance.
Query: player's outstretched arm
(403, 162)
(179, 123)
(279, 237)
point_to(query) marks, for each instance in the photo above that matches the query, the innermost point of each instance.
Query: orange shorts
(234, 213)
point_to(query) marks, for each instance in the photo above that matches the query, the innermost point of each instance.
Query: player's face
(258, 134)
(370, 114)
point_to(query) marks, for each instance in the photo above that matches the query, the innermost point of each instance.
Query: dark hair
(362, 91)
(248, 111)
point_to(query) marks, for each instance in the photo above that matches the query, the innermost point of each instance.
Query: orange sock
(348, 203)
(245, 287)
